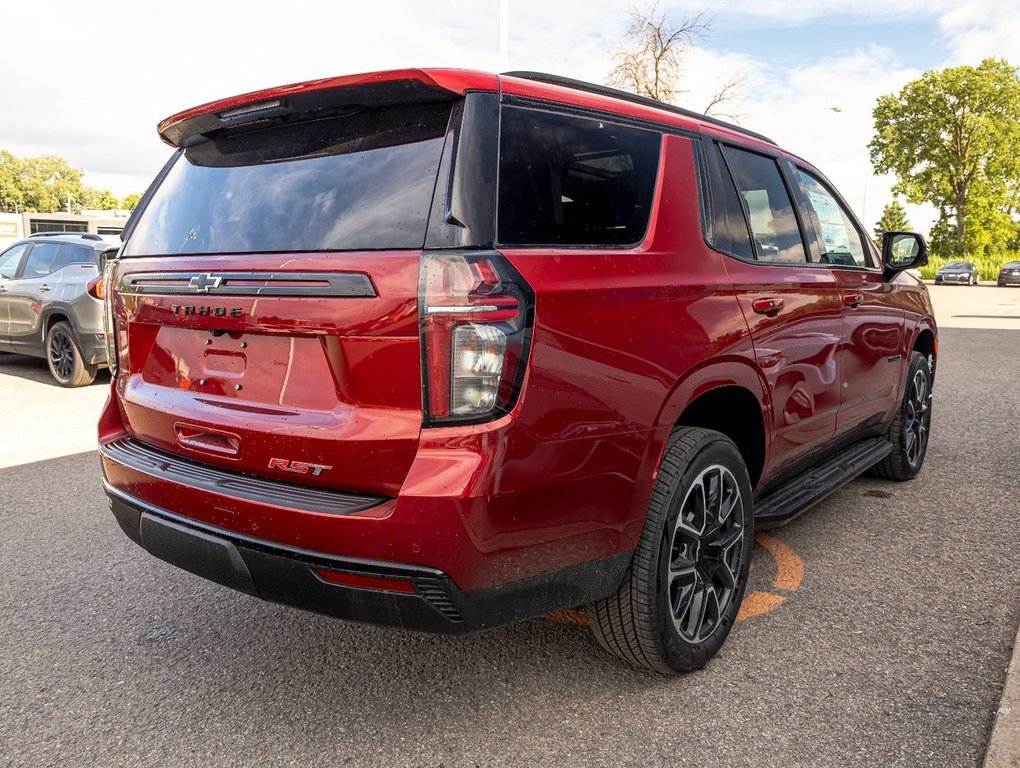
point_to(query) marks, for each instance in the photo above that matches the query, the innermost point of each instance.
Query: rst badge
(298, 467)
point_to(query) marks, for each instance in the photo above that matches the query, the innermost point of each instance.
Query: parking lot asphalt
(890, 650)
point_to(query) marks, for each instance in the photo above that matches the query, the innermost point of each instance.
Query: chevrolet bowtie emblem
(205, 282)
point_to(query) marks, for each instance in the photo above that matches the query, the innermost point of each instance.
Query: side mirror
(903, 250)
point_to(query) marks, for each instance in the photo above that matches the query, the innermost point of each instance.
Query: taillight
(109, 326)
(97, 287)
(476, 318)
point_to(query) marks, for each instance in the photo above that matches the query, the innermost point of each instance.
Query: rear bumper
(93, 348)
(1008, 280)
(399, 595)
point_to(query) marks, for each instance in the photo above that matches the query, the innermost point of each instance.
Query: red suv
(444, 350)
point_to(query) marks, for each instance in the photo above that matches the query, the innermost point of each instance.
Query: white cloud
(109, 76)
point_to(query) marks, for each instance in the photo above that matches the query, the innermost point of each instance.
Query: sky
(812, 69)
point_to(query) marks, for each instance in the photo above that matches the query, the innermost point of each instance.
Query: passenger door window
(40, 260)
(10, 259)
(838, 238)
(773, 222)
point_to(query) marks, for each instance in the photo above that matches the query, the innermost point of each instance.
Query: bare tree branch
(651, 61)
(727, 93)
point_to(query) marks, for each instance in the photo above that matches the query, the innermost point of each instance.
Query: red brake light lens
(476, 319)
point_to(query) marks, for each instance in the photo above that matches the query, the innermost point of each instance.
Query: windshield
(362, 180)
(957, 265)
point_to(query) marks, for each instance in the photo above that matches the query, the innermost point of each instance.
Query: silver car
(51, 303)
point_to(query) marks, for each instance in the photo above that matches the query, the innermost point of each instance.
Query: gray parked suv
(51, 306)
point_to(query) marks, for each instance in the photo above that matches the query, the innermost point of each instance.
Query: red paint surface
(623, 341)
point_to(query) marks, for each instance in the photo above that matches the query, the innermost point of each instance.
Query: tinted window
(573, 181)
(767, 201)
(40, 259)
(72, 254)
(11, 258)
(838, 238)
(360, 181)
(729, 229)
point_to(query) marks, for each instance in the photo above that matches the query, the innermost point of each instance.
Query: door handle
(770, 306)
(45, 288)
(852, 299)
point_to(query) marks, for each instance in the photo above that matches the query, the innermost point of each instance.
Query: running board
(796, 496)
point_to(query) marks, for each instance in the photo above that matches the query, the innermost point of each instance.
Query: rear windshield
(356, 181)
(566, 180)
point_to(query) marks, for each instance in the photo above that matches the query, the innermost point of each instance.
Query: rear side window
(73, 254)
(770, 213)
(566, 180)
(358, 181)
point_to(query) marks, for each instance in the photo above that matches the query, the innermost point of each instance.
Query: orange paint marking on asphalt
(789, 574)
(569, 616)
(758, 603)
(789, 567)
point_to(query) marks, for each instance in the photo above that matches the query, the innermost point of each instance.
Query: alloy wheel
(61, 352)
(705, 546)
(917, 419)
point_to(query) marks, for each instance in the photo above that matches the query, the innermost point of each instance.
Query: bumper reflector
(362, 581)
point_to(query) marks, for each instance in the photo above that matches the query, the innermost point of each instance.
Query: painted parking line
(789, 572)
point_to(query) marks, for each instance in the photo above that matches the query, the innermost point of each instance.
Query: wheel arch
(926, 342)
(726, 396)
(56, 314)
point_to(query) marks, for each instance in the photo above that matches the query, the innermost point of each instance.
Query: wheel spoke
(692, 514)
(681, 566)
(696, 613)
(713, 497)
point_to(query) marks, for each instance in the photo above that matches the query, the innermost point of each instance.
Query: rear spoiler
(377, 89)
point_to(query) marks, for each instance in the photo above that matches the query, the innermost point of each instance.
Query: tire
(910, 429)
(680, 597)
(63, 355)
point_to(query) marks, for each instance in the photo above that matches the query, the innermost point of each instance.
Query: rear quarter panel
(623, 340)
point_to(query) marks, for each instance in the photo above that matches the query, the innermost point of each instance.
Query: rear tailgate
(265, 301)
(316, 380)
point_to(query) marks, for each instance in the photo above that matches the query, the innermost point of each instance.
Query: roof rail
(82, 235)
(614, 93)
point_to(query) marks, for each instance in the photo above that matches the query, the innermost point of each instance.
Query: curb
(1004, 745)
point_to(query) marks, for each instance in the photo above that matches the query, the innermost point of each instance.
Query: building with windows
(15, 226)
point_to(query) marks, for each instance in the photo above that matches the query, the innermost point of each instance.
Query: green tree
(98, 199)
(130, 202)
(12, 197)
(49, 182)
(952, 138)
(894, 219)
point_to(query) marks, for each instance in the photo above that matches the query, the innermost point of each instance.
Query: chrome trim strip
(338, 284)
(465, 310)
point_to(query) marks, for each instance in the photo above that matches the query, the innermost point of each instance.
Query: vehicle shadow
(36, 369)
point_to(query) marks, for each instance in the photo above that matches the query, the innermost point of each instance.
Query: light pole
(825, 133)
(504, 23)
